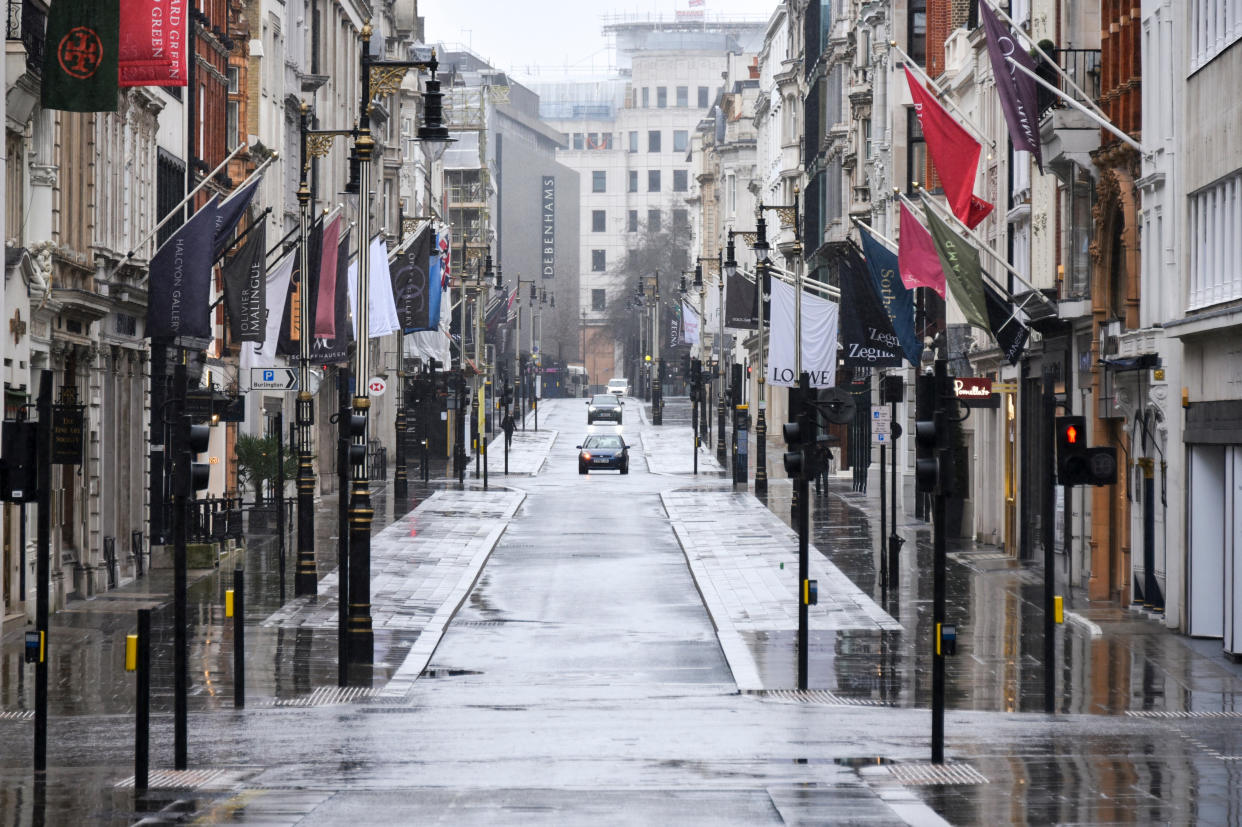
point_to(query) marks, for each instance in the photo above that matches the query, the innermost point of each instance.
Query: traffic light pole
(1050, 641)
(181, 510)
(43, 557)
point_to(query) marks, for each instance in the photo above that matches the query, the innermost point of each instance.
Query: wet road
(582, 679)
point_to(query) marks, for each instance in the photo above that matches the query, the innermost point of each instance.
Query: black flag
(741, 303)
(411, 286)
(179, 298)
(245, 288)
(1011, 334)
(335, 350)
(230, 214)
(867, 336)
(299, 289)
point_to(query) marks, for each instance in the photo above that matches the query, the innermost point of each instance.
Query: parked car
(603, 451)
(604, 406)
(619, 386)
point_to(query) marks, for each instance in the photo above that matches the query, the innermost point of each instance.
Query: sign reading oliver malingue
(548, 219)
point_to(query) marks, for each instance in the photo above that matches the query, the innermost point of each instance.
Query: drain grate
(390, 710)
(20, 715)
(1167, 714)
(816, 696)
(186, 780)
(324, 696)
(921, 774)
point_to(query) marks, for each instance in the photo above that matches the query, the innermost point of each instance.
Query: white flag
(689, 324)
(255, 355)
(381, 307)
(819, 339)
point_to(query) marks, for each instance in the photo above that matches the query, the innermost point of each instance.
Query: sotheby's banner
(819, 339)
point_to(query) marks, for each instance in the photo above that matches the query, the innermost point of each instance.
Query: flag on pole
(1018, 91)
(291, 331)
(1011, 334)
(954, 153)
(689, 324)
(960, 261)
(819, 338)
(897, 299)
(230, 213)
(153, 46)
(325, 309)
(180, 280)
(917, 260)
(245, 289)
(741, 303)
(331, 350)
(80, 55)
(418, 305)
(381, 309)
(444, 245)
(263, 354)
(867, 337)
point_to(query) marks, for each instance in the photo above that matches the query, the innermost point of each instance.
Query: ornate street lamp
(379, 78)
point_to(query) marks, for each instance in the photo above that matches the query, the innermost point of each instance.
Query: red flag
(953, 151)
(917, 259)
(153, 43)
(325, 309)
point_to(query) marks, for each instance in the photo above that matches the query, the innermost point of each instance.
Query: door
(1232, 532)
(1206, 541)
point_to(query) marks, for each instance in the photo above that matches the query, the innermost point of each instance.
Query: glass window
(578, 144)
(683, 96)
(598, 263)
(633, 141)
(681, 220)
(632, 225)
(653, 180)
(646, 97)
(654, 221)
(599, 179)
(653, 140)
(680, 139)
(598, 221)
(597, 299)
(702, 97)
(633, 180)
(917, 32)
(592, 140)
(681, 180)
(916, 152)
(661, 97)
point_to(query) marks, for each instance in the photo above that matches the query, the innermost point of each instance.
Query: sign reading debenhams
(975, 392)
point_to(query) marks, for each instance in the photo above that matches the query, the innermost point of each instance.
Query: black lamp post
(763, 283)
(379, 78)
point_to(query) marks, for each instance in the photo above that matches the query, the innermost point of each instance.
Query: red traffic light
(1071, 435)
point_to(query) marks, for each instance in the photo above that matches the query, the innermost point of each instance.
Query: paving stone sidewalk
(735, 548)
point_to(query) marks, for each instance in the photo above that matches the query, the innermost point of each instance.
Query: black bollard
(142, 705)
(239, 638)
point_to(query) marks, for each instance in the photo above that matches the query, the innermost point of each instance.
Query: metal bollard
(142, 705)
(235, 607)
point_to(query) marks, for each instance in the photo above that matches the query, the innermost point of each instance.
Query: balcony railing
(27, 22)
(1083, 66)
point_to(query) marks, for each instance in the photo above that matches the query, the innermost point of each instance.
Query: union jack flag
(446, 257)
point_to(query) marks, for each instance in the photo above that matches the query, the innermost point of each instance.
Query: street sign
(881, 433)
(880, 414)
(376, 386)
(273, 379)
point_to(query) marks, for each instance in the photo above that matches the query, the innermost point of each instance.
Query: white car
(619, 387)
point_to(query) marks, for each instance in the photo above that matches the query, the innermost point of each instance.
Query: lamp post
(657, 365)
(379, 78)
(763, 283)
(519, 380)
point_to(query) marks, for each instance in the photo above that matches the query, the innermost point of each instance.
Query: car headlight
(585, 455)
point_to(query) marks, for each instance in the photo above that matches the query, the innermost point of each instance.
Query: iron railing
(1083, 67)
(27, 22)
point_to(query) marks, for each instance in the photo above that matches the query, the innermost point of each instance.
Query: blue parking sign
(269, 376)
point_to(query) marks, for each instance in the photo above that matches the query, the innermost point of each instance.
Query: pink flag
(153, 47)
(953, 151)
(917, 259)
(325, 308)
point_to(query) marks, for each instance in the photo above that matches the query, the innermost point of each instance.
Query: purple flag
(1017, 90)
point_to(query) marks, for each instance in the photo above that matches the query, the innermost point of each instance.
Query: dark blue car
(603, 451)
(604, 407)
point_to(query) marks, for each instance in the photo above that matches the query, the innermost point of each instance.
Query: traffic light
(926, 464)
(1072, 466)
(192, 475)
(18, 469)
(357, 425)
(801, 460)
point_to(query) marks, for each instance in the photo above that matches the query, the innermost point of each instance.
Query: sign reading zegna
(548, 219)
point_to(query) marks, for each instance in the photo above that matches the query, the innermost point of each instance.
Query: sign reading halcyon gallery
(548, 223)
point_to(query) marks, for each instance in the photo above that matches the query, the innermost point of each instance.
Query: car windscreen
(613, 442)
(604, 401)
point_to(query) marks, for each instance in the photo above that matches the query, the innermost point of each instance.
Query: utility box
(741, 443)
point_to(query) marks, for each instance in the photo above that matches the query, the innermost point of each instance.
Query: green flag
(80, 55)
(960, 261)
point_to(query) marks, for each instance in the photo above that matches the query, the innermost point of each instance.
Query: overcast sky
(538, 39)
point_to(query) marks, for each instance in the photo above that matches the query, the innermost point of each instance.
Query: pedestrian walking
(508, 426)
